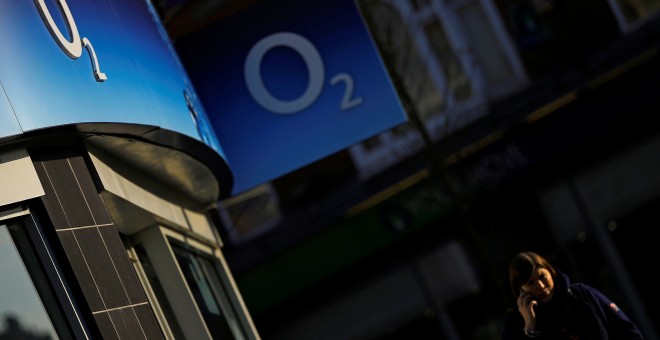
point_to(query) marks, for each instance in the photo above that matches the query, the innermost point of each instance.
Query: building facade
(531, 127)
(110, 178)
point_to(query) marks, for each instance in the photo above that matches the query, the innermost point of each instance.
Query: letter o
(255, 84)
(72, 48)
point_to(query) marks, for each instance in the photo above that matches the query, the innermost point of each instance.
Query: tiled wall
(93, 247)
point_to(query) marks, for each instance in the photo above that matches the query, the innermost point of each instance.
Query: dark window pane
(200, 286)
(158, 290)
(23, 311)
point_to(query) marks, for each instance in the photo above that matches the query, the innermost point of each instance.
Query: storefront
(109, 180)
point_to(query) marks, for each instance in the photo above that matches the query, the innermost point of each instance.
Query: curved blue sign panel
(85, 61)
(288, 82)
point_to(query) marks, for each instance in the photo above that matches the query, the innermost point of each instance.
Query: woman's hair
(522, 266)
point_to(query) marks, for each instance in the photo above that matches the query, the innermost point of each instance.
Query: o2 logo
(315, 68)
(74, 47)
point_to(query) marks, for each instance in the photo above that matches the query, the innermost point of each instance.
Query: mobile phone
(529, 295)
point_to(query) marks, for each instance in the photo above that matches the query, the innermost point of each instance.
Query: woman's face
(540, 285)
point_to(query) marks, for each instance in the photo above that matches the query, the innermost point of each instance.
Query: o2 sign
(74, 47)
(311, 84)
(315, 67)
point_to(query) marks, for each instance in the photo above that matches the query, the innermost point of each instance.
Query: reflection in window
(401, 54)
(158, 290)
(492, 58)
(209, 292)
(457, 79)
(22, 310)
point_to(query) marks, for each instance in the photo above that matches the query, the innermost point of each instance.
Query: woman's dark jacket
(576, 311)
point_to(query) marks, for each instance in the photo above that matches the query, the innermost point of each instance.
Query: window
(455, 75)
(23, 311)
(189, 286)
(156, 293)
(212, 299)
(34, 301)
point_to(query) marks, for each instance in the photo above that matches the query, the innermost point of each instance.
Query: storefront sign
(286, 83)
(65, 62)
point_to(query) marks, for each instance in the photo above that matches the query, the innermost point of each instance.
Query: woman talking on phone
(549, 306)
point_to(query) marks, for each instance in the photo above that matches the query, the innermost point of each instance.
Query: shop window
(204, 282)
(493, 51)
(34, 301)
(189, 286)
(455, 75)
(156, 293)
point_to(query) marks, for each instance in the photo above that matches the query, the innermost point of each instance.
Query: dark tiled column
(93, 247)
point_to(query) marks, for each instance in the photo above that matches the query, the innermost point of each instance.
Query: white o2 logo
(315, 68)
(74, 47)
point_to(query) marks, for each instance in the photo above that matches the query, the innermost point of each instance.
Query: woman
(551, 307)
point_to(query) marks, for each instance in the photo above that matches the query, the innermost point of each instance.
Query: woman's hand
(526, 306)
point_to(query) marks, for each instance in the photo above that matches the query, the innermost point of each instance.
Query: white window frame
(156, 241)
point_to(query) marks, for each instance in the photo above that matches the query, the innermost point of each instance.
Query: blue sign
(92, 61)
(288, 82)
